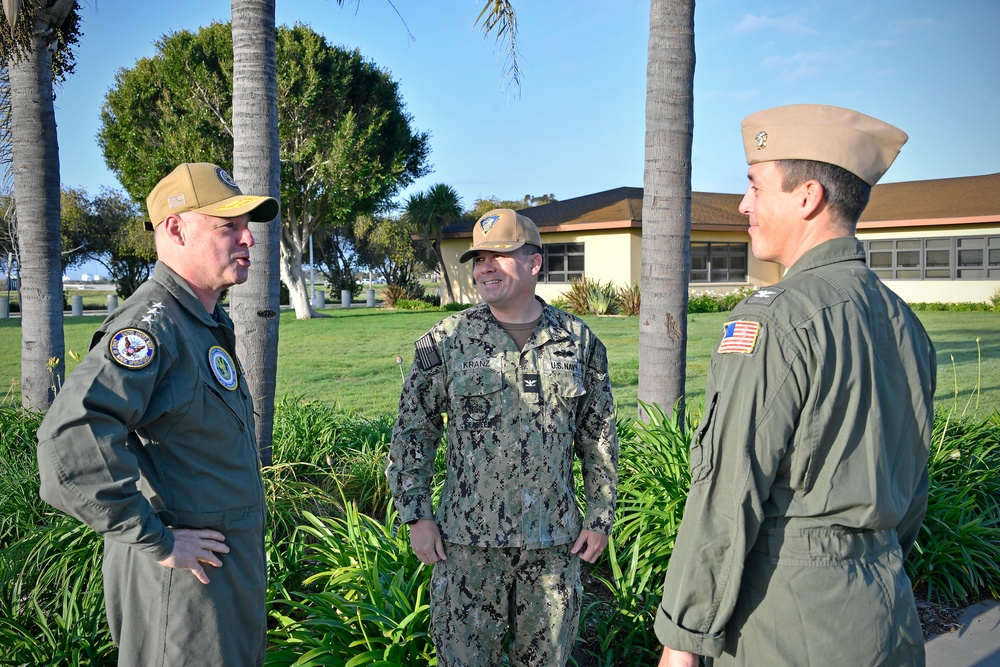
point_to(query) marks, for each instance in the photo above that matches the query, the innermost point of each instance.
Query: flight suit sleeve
(597, 444)
(417, 433)
(85, 465)
(752, 407)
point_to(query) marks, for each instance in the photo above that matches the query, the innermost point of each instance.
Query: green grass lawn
(349, 358)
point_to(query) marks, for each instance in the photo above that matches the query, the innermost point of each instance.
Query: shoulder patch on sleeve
(427, 354)
(132, 348)
(739, 336)
(765, 296)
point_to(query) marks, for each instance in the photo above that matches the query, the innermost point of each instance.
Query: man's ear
(173, 229)
(811, 198)
(536, 264)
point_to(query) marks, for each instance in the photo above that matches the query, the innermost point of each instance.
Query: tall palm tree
(254, 304)
(666, 204)
(430, 212)
(37, 34)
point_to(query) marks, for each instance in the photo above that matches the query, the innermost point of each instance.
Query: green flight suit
(809, 477)
(515, 419)
(155, 430)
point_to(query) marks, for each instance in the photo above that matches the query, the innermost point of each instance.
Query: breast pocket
(562, 391)
(476, 398)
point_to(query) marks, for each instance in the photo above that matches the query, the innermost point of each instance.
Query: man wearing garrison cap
(151, 440)
(525, 388)
(809, 467)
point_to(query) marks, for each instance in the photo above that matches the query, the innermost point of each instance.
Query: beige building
(930, 241)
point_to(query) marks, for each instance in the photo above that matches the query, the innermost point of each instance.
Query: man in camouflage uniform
(809, 468)
(151, 441)
(525, 387)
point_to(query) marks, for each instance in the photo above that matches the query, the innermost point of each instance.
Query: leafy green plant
(394, 293)
(364, 602)
(52, 599)
(629, 299)
(703, 302)
(957, 553)
(577, 296)
(414, 304)
(602, 298)
(654, 477)
(20, 507)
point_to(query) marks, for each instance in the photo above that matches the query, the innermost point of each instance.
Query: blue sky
(577, 127)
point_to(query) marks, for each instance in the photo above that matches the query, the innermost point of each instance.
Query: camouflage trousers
(479, 593)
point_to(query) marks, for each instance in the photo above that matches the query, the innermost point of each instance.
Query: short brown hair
(846, 194)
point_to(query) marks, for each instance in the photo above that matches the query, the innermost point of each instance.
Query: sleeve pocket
(703, 444)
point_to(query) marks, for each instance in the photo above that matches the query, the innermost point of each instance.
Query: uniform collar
(479, 323)
(185, 296)
(843, 249)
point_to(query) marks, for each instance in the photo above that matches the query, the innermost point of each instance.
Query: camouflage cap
(205, 188)
(862, 145)
(501, 230)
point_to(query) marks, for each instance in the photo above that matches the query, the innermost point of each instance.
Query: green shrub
(629, 299)
(703, 302)
(957, 554)
(995, 300)
(957, 307)
(21, 510)
(365, 598)
(602, 298)
(455, 306)
(394, 293)
(576, 297)
(414, 304)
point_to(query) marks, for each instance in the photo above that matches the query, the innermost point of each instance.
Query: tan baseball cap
(205, 188)
(501, 230)
(862, 145)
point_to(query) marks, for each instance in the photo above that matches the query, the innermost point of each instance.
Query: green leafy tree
(429, 213)
(108, 229)
(386, 246)
(484, 204)
(346, 143)
(36, 51)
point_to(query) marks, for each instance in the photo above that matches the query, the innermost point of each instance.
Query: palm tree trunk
(666, 206)
(35, 154)
(254, 305)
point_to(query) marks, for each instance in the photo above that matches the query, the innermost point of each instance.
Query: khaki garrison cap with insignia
(501, 230)
(862, 145)
(205, 188)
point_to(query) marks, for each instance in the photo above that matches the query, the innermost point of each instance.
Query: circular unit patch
(223, 367)
(132, 348)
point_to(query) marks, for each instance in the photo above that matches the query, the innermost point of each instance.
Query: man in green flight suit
(151, 441)
(809, 468)
(525, 387)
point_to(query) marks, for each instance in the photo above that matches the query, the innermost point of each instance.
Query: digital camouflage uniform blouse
(515, 418)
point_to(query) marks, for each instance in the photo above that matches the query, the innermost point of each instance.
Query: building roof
(964, 200)
(949, 198)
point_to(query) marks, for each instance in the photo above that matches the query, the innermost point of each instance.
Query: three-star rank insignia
(223, 367)
(132, 348)
(486, 224)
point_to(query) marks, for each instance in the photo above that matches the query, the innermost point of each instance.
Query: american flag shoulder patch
(427, 354)
(739, 336)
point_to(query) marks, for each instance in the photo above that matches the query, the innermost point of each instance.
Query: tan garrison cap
(862, 145)
(205, 188)
(501, 230)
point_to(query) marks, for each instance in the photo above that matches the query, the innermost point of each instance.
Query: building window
(718, 262)
(954, 258)
(561, 262)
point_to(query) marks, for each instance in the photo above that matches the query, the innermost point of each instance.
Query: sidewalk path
(976, 643)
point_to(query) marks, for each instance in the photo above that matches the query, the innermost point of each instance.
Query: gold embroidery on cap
(236, 203)
(761, 139)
